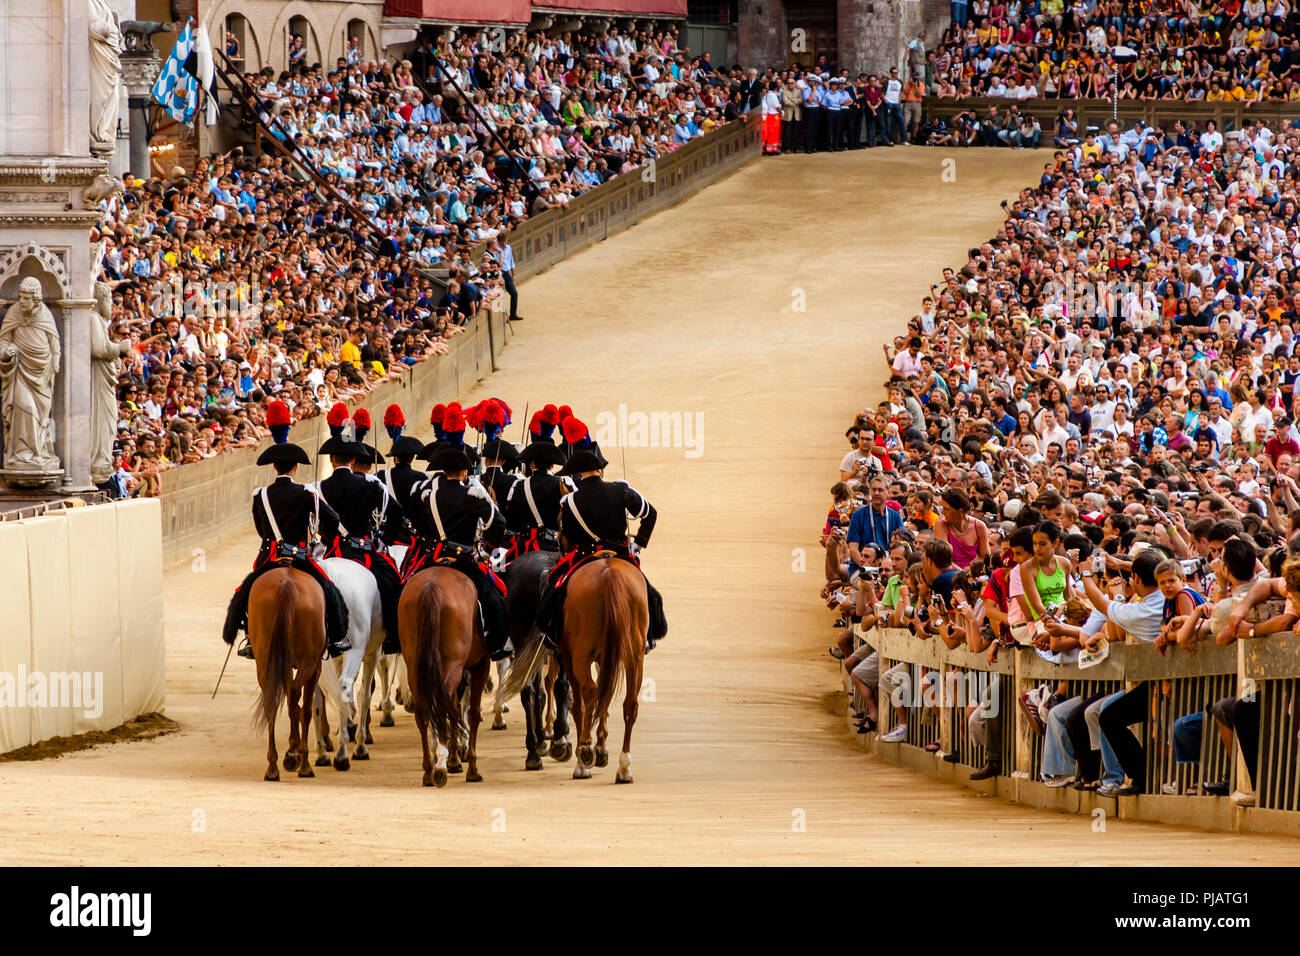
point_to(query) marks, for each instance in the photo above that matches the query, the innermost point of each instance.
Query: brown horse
(606, 620)
(442, 638)
(286, 628)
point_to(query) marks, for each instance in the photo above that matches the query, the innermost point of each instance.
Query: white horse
(366, 637)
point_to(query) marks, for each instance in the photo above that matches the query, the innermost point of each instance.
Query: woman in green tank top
(1046, 581)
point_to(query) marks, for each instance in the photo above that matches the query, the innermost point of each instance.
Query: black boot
(658, 623)
(496, 627)
(237, 616)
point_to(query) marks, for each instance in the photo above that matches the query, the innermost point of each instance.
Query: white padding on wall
(140, 597)
(15, 637)
(47, 575)
(96, 619)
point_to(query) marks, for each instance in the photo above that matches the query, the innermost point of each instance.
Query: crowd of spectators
(1090, 435)
(1172, 50)
(246, 278)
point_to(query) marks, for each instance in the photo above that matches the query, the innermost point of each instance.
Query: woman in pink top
(968, 536)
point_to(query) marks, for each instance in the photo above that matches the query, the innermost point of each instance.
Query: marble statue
(106, 364)
(29, 361)
(105, 78)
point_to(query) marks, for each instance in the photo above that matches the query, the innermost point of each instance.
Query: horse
(525, 579)
(366, 636)
(442, 639)
(606, 623)
(286, 629)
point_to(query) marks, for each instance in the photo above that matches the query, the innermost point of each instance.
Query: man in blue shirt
(872, 526)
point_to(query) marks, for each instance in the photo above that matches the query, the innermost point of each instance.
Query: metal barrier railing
(1182, 688)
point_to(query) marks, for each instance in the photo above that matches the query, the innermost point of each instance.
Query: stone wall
(873, 34)
(761, 36)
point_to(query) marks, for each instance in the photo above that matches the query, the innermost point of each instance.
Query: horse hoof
(561, 750)
(427, 779)
(473, 777)
(386, 721)
(342, 764)
(440, 777)
(581, 773)
(272, 775)
(533, 762)
(585, 755)
(622, 779)
(369, 739)
(305, 770)
(322, 761)
(498, 723)
(455, 767)
(602, 757)
(290, 762)
(352, 733)
(361, 755)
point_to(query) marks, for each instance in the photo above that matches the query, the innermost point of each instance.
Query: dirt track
(690, 312)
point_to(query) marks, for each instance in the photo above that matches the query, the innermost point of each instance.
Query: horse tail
(620, 637)
(528, 660)
(434, 702)
(276, 687)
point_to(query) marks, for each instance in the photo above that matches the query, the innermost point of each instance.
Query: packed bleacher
(1089, 436)
(1180, 50)
(248, 279)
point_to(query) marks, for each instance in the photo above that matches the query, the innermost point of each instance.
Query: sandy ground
(691, 311)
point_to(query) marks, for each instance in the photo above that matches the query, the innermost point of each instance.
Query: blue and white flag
(176, 90)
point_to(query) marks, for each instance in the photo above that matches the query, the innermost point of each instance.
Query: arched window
(354, 43)
(240, 44)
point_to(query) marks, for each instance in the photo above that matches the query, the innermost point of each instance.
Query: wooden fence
(943, 682)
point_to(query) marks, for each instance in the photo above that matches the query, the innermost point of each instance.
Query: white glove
(635, 549)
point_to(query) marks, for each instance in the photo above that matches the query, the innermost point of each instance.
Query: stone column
(48, 179)
(140, 68)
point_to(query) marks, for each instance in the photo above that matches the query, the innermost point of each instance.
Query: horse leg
(498, 700)
(548, 684)
(584, 707)
(387, 684)
(452, 674)
(318, 710)
(477, 678)
(561, 746)
(350, 667)
(308, 691)
(424, 747)
(529, 699)
(272, 771)
(440, 753)
(362, 708)
(630, 707)
(602, 734)
(291, 755)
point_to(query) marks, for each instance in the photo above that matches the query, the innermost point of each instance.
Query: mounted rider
(400, 478)
(532, 504)
(287, 517)
(594, 519)
(360, 501)
(456, 511)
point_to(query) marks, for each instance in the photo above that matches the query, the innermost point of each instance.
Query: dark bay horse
(442, 639)
(286, 628)
(525, 578)
(606, 622)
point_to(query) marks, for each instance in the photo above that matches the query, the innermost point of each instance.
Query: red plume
(277, 413)
(362, 418)
(573, 430)
(337, 415)
(393, 416)
(475, 413)
(495, 412)
(438, 414)
(455, 418)
(537, 421)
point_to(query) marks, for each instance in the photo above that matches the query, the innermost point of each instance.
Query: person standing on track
(813, 97)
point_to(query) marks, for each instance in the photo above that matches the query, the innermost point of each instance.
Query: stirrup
(337, 649)
(507, 650)
(245, 649)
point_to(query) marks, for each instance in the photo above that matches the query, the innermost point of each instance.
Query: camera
(1193, 567)
(1099, 562)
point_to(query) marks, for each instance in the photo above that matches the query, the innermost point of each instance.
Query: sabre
(523, 432)
(623, 449)
(223, 670)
